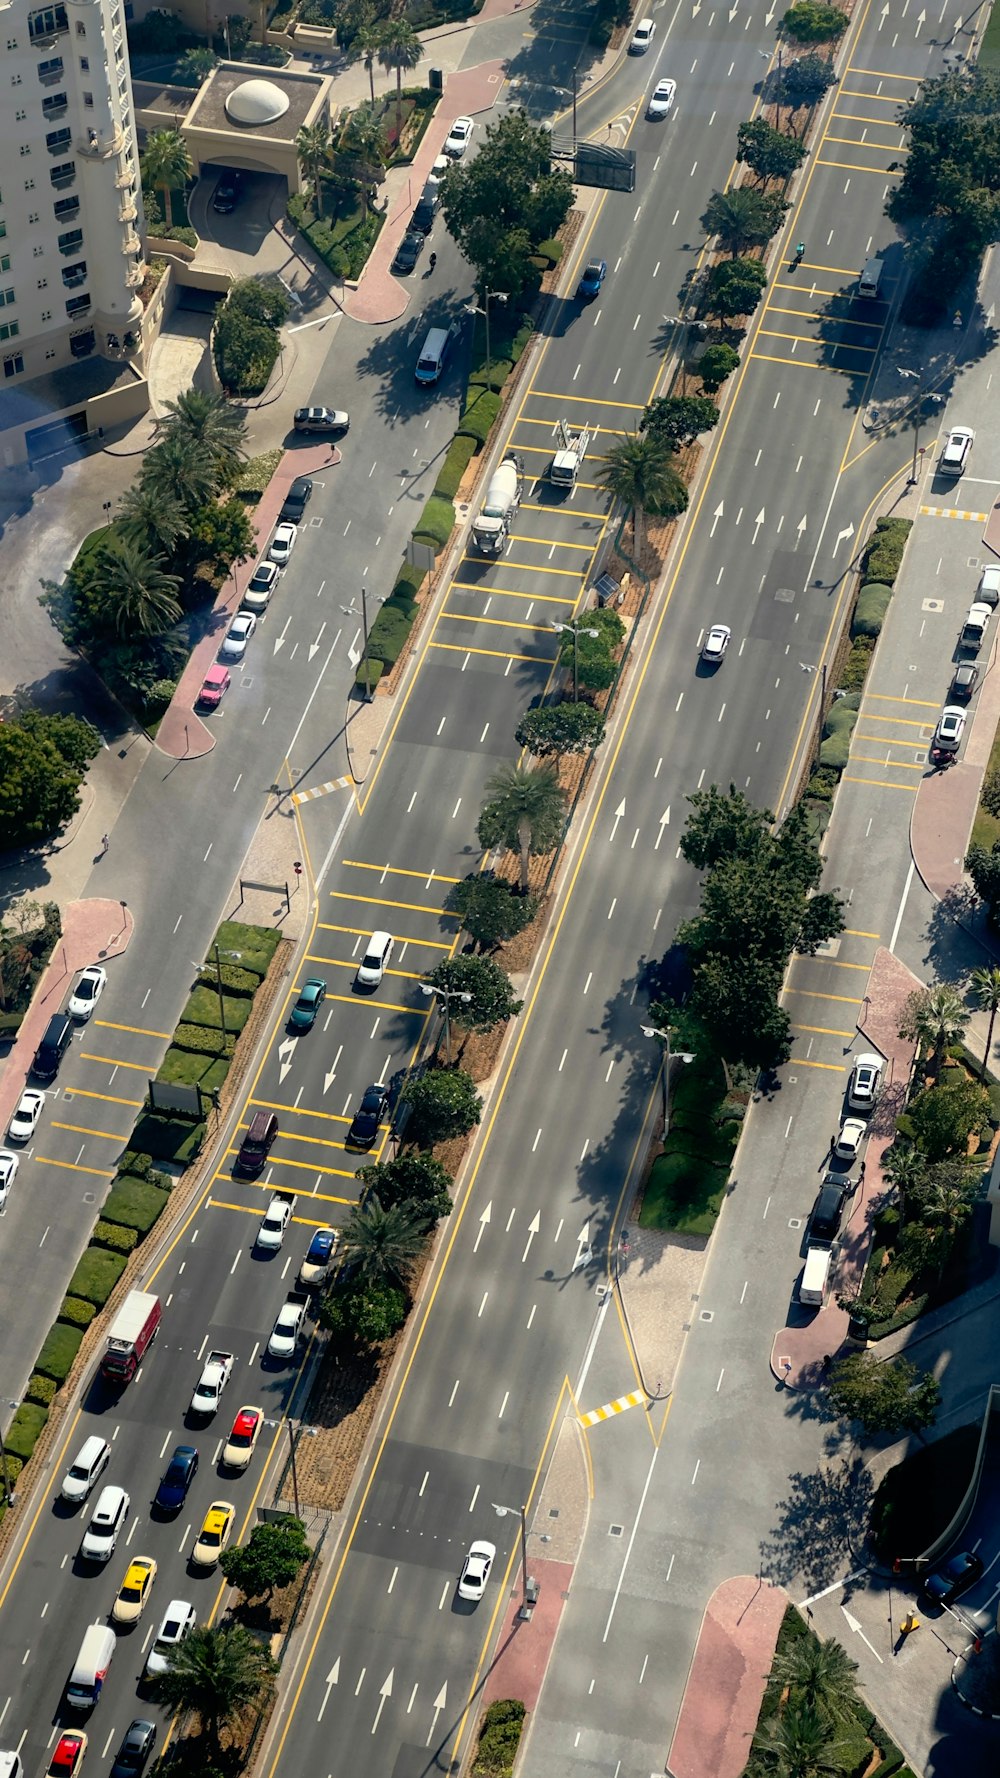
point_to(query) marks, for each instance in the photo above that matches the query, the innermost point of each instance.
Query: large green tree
(491, 998)
(363, 144)
(217, 1671)
(183, 473)
(638, 472)
(314, 153)
(275, 1554)
(805, 79)
(983, 866)
(499, 204)
(416, 1180)
(152, 517)
(363, 1313)
(490, 909)
(524, 811)
(166, 164)
(40, 773)
(769, 153)
(884, 1396)
(222, 534)
(716, 364)
(443, 1102)
(742, 218)
(399, 51)
(558, 729)
(208, 424)
(799, 1742)
(677, 420)
(934, 1018)
(381, 1242)
(735, 287)
(819, 1672)
(813, 21)
(985, 986)
(129, 592)
(943, 1117)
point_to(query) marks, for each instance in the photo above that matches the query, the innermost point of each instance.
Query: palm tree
(639, 473)
(182, 468)
(524, 811)
(217, 1672)
(132, 589)
(739, 218)
(207, 423)
(383, 1243)
(904, 1166)
(819, 1673)
(152, 518)
(364, 141)
(166, 162)
(947, 1202)
(985, 985)
(314, 152)
(801, 1742)
(195, 66)
(934, 1018)
(366, 45)
(400, 48)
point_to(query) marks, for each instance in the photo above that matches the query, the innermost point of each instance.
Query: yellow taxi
(214, 1534)
(243, 1438)
(134, 1590)
(69, 1755)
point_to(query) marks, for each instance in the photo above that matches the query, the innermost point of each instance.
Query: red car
(68, 1756)
(217, 683)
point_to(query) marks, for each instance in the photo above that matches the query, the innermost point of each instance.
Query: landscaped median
(201, 1055)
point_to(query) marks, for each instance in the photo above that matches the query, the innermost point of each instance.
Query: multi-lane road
(764, 549)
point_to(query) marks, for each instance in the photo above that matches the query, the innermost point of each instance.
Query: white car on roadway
(287, 1330)
(87, 992)
(862, 1090)
(661, 99)
(178, 1622)
(988, 590)
(951, 724)
(28, 1111)
(277, 1217)
(238, 635)
(642, 37)
(459, 137)
(716, 643)
(955, 455)
(260, 586)
(8, 1173)
(852, 1134)
(476, 1572)
(283, 543)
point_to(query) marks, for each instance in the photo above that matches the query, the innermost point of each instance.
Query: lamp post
(9, 1492)
(665, 1061)
(445, 996)
(501, 1512)
(576, 628)
(474, 309)
(810, 667)
(364, 627)
(766, 54)
(294, 1434)
(918, 418)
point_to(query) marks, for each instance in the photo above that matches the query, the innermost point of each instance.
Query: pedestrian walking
(105, 842)
(432, 262)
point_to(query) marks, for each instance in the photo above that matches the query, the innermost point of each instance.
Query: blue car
(177, 1478)
(594, 274)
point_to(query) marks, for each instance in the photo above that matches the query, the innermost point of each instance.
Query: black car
(296, 500)
(965, 681)
(366, 1120)
(226, 193)
(953, 1577)
(824, 1224)
(137, 1745)
(409, 251)
(177, 1478)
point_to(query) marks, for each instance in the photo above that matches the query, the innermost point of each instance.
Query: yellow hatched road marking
(880, 74)
(535, 567)
(634, 1399)
(879, 783)
(587, 400)
(136, 1030)
(327, 789)
(500, 623)
(553, 512)
(308, 1167)
(555, 542)
(305, 1222)
(899, 721)
(494, 654)
(887, 698)
(823, 1030)
(108, 1098)
(895, 765)
(293, 1111)
(816, 994)
(114, 1062)
(82, 1130)
(802, 1062)
(382, 901)
(506, 592)
(855, 932)
(953, 512)
(364, 1004)
(800, 364)
(73, 1167)
(399, 870)
(855, 166)
(434, 944)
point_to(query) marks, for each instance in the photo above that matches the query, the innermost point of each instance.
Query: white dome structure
(256, 102)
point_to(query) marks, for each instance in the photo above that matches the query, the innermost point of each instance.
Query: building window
(50, 70)
(48, 21)
(11, 43)
(64, 208)
(4, 262)
(43, 283)
(82, 343)
(15, 80)
(81, 29)
(75, 274)
(46, 316)
(57, 140)
(25, 147)
(36, 252)
(85, 64)
(64, 174)
(71, 240)
(54, 105)
(77, 305)
(20, 116)
(3, 231)
(34, 218)
(6, 297)
(9, 330)
(13, 365)
(88, 99)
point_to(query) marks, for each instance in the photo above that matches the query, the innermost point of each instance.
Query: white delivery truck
(491, 527)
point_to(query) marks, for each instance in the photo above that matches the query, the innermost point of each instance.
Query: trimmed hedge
(388, 636)
(134, 1162)
(235, 979)
(41, 1389)
(96, 1275)
(134, 1203)
(519, 343)
(870, 610)
(884, 550)
(457, 459)
(114, 1235)
(76, 1312)
(203, 1009)
(837, 730)
(255, 945)
(25, 1429)
(857, 664)
(409, 581)
(494, 378)
(187, 1068)
(437, 521)
(479, 417)
(499, 1739)
(204, 1041)
(369, 673)
(407, 608)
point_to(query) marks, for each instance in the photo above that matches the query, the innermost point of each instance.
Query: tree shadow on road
(823, 1524)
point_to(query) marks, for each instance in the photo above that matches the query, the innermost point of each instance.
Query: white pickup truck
(208, 1392)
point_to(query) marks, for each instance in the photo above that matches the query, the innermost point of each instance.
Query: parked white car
(283, 543)
(87, 992)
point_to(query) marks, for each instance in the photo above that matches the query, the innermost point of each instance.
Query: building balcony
(77, 307)
(57, 141)
(134, 277)
(72, 245)
(65, 209)
(57, 106)
(128, 211)
(97, 147)
(51, 71)
(131, 244)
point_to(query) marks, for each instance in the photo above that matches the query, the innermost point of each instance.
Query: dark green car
(303, 1014)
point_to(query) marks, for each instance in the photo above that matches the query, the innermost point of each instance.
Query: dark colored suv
(256, 1144)
(177, 1478)
(226, 193)
(296, 500)
(824, 1224)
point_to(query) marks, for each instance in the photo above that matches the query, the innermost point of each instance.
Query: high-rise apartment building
(70, 203)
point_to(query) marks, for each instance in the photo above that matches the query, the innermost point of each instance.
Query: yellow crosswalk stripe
(611, 1408)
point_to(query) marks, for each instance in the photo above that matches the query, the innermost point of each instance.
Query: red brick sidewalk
(93, 931)
(182, 734)
(799, 1349)
(725, 1686)
(525, 1647)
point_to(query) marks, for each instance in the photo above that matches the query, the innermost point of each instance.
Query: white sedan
(287, 1330)
(716, 643)
(29, 1109)
(661, 99)
(87, 992)
(178, 1622)
(8, 1170)
(948, 733)
(238, 635)
(459, 137)
(642, 37)
(283, 543)
(852, 1134)
(276, 1220)
(476, 1572)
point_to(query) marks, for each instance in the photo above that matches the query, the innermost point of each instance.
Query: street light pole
(665, 1060)
(809, 667)
(501, 1512)
(364, 627)
(576, 628)
(445, 996)
(9, 1493)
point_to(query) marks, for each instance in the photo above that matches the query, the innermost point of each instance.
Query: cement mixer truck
(503, 497)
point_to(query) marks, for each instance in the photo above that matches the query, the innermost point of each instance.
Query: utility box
(435, 80)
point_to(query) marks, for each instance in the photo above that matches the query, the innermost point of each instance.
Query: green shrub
(388, 636)
(96, 1275)
(234, 979)
(884, 550)
(437, 522)
(25, 1429)
(134, 1162)
(59, 1348)
(520, 341)
(480, 415)
(76, 1312)
(856, 666)
(456, 461)
(407, 608)
(499, 1737)
(203, 1009)
(168, 1139)
(188, 1068)
(994, 1093)
(134, 1203)
(204, 1041)
(115, 1236)
(368, 674)
(835, 750)
(41, 1389)
(252, 947)
(873, 602)
(492, 376)
(409, 581)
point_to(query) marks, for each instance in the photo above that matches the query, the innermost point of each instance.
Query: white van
(433, 355)
(10, 1765)
(87, 1467)
(816, 1276)
(91, 1667)
(871, 278)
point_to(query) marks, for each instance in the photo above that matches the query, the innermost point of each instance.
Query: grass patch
(203, 1009)
(256, 473)
(986, 827)
(252, 947)
(168, 1139)
(189, 1069)
(59, 1349)
(96, 1275)
(25, 1428)
(134, 1203)
(919, 1497)
(685, 1193)
(989, 49)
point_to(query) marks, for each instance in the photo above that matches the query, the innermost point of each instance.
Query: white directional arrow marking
(583, 1250)
(848, 533)
(386, 1692)
(314, 646)
(439, 1704)
(733, 10)
(921, 22)
(758, 521)
(279, 641)
(716, 516)
(883, 15)
(800, 527)
(331, 1680)
(855, 1627)
(354, 655)
(533, 1228)
(696, 9)
(286, 1055)
(331, 1073)
(768, 16)
(619, 813)
(664, 824)
(486, 1217)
